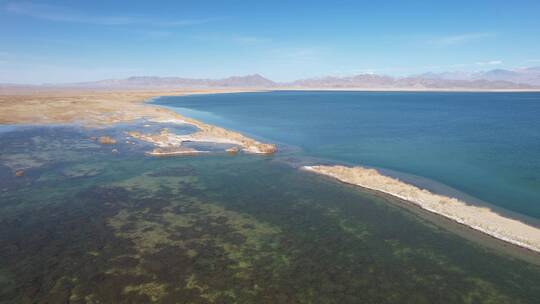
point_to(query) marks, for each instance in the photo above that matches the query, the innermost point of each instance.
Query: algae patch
(208, 242)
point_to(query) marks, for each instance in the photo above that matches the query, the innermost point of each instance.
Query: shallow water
(86, 225)
(486, 145)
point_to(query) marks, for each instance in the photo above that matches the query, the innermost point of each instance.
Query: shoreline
(159, 92)
(479, 218)
(102, 109)
(405, 90)
(480, 224)
(116, 107)
(472, 235)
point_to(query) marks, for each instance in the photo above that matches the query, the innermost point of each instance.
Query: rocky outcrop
(232, 150)
(106, 140)
(260, 148)
(207, 133)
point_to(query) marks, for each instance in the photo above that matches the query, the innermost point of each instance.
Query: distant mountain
(254, 80)
(363, 80)
(527, 76)
(499, 79)
(434, 81)
(153, 82)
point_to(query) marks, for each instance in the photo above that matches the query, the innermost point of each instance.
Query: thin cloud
(64, 14)
(460, 39)
(492, 62)
(3, 57)
(231, 38)
(250, 39)
(35, 72)
(394, 70)
(403, 70)
(187, 22)
(296, 54)
(157, 34)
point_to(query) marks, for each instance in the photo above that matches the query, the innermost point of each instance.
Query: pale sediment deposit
(106, 140)
(99, 109)
(173, 151)
(477, 217)
(168, 143)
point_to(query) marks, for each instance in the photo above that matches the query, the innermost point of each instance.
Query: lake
(485, 145)
(92, 223)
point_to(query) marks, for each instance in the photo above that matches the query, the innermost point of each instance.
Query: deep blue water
(486, 145)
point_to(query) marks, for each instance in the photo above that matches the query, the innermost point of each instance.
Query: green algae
(154, 291)
(6, 281)
(131, 229)
(149, 185)
(83, 170)
(187, 224)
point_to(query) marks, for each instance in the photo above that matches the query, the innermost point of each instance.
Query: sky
(71, 41)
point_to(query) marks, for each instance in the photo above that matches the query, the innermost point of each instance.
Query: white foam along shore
(477, 217)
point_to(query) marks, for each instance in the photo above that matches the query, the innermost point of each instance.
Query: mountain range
(530, 76)
(498, 79)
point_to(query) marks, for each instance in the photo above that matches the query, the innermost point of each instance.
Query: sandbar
(479, 218)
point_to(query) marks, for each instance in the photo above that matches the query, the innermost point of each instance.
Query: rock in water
(19, 173)
(267, 148)
(233, 150)
(107, 140)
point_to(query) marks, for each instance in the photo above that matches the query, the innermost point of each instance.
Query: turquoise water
(91, 223)
(84, 222)
(486, 145)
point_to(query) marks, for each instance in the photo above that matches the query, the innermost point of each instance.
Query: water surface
(91, 223)
(486, 145)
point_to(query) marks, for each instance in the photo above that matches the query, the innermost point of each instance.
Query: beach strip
(479, 218)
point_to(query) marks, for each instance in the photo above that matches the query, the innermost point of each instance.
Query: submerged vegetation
(85, 224)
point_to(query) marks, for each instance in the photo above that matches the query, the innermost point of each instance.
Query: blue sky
(62, 41)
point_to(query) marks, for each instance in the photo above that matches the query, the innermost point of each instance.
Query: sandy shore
(96, 109)
(479, 218)
(168, 143)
